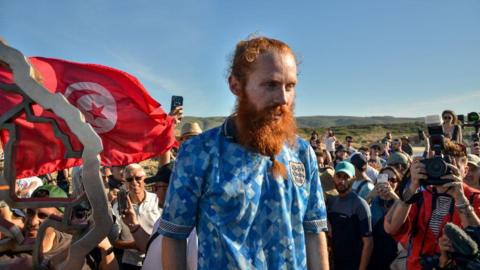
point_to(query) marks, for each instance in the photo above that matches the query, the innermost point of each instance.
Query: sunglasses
(447, 117)
(136, 178)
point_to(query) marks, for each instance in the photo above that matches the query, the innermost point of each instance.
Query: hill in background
(364, 129)
(317, 121)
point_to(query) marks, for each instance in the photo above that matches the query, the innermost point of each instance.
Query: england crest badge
(298, 172)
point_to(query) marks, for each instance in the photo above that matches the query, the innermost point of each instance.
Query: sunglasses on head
(136, 178)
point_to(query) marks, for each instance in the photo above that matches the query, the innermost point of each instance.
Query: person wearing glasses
(384, 245)
(450, 126)
(145, 206)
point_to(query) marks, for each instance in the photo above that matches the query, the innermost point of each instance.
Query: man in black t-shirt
(350, 223)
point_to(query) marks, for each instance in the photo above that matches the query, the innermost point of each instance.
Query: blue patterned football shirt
(245, 218)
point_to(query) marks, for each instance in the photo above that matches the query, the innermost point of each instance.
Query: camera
(437, 166)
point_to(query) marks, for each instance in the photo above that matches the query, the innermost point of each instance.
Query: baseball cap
(359, 161)
(50, 191)
(397, 158)
(162, 175)
(345, 167)
(473, 160)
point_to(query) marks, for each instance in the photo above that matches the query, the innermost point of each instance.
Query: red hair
(247, 51)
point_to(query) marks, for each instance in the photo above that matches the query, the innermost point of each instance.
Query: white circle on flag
(95, 102)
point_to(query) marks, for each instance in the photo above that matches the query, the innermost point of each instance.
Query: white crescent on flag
(95, 102)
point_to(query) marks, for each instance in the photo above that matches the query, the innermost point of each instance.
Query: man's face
(374, 151)
(396, 145)
(272, 83)
(462, 165)
(117, 172)
(341, 155)
(366, 154)
(34, 219)
(342, 182)
(349, 141)
(135, 182)
(264, 113)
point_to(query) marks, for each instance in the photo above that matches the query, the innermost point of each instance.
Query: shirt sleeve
(365, 218)
(315, 219)
(179, 215)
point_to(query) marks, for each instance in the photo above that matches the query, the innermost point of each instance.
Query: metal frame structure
(88, 235)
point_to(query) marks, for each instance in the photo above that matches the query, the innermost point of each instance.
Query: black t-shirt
(350, 220)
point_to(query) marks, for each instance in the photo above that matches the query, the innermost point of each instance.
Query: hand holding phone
(382, 178)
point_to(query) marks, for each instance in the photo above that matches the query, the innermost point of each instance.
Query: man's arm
(317, 252)
(174, 254)
(396, 216)
(366, 252)
(122, 244)
(398, 213)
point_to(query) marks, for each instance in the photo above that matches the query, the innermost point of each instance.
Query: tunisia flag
(131, 124)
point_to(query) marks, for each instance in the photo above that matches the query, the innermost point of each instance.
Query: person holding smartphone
(384, 246)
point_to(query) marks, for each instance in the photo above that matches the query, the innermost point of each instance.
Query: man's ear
(234, 84)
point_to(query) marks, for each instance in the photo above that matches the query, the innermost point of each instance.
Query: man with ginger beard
(251, 186)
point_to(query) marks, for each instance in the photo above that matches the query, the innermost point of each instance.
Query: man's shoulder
(302, 146)
(358, 200)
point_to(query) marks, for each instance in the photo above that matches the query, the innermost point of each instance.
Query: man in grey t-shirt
(350, 222)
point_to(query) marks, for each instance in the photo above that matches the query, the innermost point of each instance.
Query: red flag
(132, 125)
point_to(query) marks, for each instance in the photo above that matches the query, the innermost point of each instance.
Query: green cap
(345, 167)
(50, 191)
(397, 158)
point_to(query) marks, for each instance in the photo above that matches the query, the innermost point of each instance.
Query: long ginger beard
(261, 132)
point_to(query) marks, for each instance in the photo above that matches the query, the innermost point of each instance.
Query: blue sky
(361, 58)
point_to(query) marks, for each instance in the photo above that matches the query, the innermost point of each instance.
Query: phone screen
(122, 200)
(382, 178)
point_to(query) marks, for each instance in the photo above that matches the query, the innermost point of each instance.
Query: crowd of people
(252, 194)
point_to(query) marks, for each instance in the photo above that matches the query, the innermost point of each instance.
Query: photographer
(424, 209)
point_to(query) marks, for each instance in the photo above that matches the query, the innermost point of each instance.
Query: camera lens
(436, 168)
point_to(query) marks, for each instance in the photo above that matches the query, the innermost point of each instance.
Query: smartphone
(122, 200)
(382, 178)
(176, 102)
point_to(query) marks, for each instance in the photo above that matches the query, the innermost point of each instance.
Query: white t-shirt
(147, 214)
(153, 259)
(330, 144)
